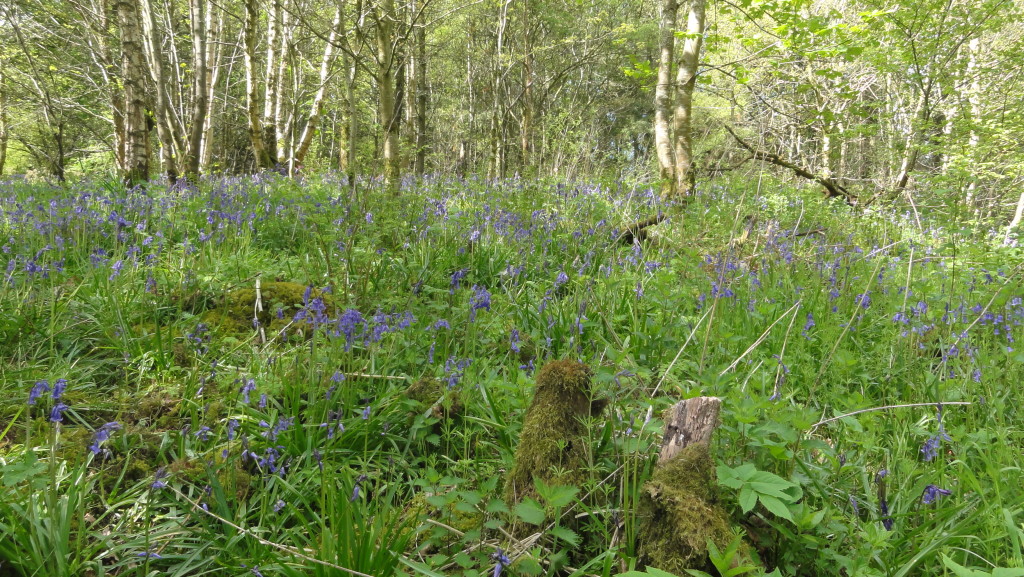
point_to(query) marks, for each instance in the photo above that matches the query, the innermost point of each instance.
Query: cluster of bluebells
(56, 393)
(102, 435)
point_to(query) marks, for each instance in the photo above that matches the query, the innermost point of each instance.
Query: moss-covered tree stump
(679, 511)
(553, 445)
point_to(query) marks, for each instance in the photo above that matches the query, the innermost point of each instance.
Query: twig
(885, 408)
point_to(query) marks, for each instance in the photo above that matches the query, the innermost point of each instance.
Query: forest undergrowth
(265, 376)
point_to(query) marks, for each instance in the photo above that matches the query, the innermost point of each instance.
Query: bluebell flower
(501, 561)
(247, 387)
(57, 413)
(279, 505)
(481, 299)
(159, 479)
(37, 391)
(514, 340)
(203, 434)
(263, 401)
(148, 555)
(282, 425)
(933, 492)
(887, 521)
(561, 279)
(366, 412)
(456, 279)
(810, 324)
(355, 488)
(101, 435)
(232, 426)
(58, 389)
(864, 300)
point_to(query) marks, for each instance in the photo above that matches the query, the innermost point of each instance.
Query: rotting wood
(688, 422)
(637, 231)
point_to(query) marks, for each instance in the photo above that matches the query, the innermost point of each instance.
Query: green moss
(679, 512)
(433, 393)
(234, 311)
(553, 445)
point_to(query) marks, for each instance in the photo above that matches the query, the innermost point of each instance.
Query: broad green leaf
(777, 507)
(530, 512)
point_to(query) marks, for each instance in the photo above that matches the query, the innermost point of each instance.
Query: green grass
(133, 299)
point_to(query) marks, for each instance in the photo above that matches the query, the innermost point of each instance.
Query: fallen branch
(832, 188)
(637, 232)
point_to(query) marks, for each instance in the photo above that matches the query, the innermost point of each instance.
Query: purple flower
(481, 299)
(248, 387)
(101, 435)
(366, 412)
(203, 434)
(37, 390)
(933, 492)
(159, 479)
(864, 300)
(883, 509)
(279, 505)
(148, 555)
(279, 427)
(58, 389)
(57, 413)
(501, 561)
(232, 426)
(561, 279)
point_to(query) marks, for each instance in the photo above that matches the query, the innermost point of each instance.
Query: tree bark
(686, 83)
(689, 422)
(420, 94)
(5, 132)
(326, 63)
(133, 69)
(200, 95)
(165, 124)
(272, 82)
(663, 96)
(252, 104)
(386, 41)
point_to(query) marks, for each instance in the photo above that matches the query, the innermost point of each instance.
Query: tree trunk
(385, 24)
(663, 96)
(133, 68)
(272, 80)
(252, 105)
(214, 51)
(420, 94)
(165, 125)
(686, 83)
(689, 422)
(326, 63)
(200, 103)
(281, 122)
(4, 121)
(526, 122)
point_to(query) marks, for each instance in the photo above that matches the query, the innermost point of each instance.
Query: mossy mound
(280, 302)
(553, 445)
(432, 393)
(679, 512)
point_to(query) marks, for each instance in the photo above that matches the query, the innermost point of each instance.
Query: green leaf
(747, 498)
(530, 512)
(566, 535)
(777, 507)
(497, 506)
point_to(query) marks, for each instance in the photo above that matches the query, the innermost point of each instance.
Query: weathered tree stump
(679, 511)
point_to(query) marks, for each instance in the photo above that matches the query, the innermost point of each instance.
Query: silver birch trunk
(663, 97)
(165, 125)
(686, 84)
(272, 82)
(252, 104)
(326, 63)
(133, 69)
(198, 25)
(4, 119)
